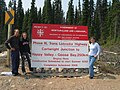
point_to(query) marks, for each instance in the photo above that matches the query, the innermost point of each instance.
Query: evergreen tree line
(101, 17)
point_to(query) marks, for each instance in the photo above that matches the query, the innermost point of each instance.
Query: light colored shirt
(94, 49)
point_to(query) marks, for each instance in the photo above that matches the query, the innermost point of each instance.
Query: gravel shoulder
(100, 82)
(56, 83)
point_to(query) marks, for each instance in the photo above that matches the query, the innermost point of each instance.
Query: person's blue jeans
(92, 59)
(15, 61)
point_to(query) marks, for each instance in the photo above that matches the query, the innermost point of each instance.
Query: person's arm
(29, 49)
(20, 47)
(7, 43)
(98, 48)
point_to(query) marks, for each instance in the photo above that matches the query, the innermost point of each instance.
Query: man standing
(13, 45)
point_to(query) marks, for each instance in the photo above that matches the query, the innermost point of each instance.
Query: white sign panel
(57, 52)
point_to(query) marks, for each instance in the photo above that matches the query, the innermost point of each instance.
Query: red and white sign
(59, 46)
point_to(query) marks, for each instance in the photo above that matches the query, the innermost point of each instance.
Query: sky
(40, 3)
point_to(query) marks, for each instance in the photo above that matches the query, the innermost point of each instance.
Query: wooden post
(9, 20)
(8, 51)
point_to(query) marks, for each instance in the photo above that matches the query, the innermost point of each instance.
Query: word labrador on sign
(9, 17)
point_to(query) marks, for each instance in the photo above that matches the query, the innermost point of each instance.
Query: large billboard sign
(59, 46)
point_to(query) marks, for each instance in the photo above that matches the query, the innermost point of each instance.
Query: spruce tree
(97, 20)
(103, 28)
(53, 12)
(85, 12)
(58, 12)
(39, 16)
(91, 18)
(10, 4)
(32, 17)
(79, 13)
(109, 20)
(115, 23)
(2, 21)
(25, 27)
(115, 1)
(19, 15)
(47, 12)
(76, 20)
(70, 13)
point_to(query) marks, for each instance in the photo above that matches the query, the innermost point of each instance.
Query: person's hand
(12, 49)
(95, 56)
(30, 54)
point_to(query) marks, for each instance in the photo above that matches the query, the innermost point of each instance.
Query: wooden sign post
(9, 20)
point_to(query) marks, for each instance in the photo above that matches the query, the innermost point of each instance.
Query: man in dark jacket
(13, 45)
(25, 51)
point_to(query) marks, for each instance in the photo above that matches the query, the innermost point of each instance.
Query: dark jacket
(13, 41)
(24, 46)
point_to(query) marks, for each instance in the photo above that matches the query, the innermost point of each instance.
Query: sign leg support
(8, 51)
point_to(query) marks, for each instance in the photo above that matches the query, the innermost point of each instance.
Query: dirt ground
(56, 83)
(100, 82)
(19, 83)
